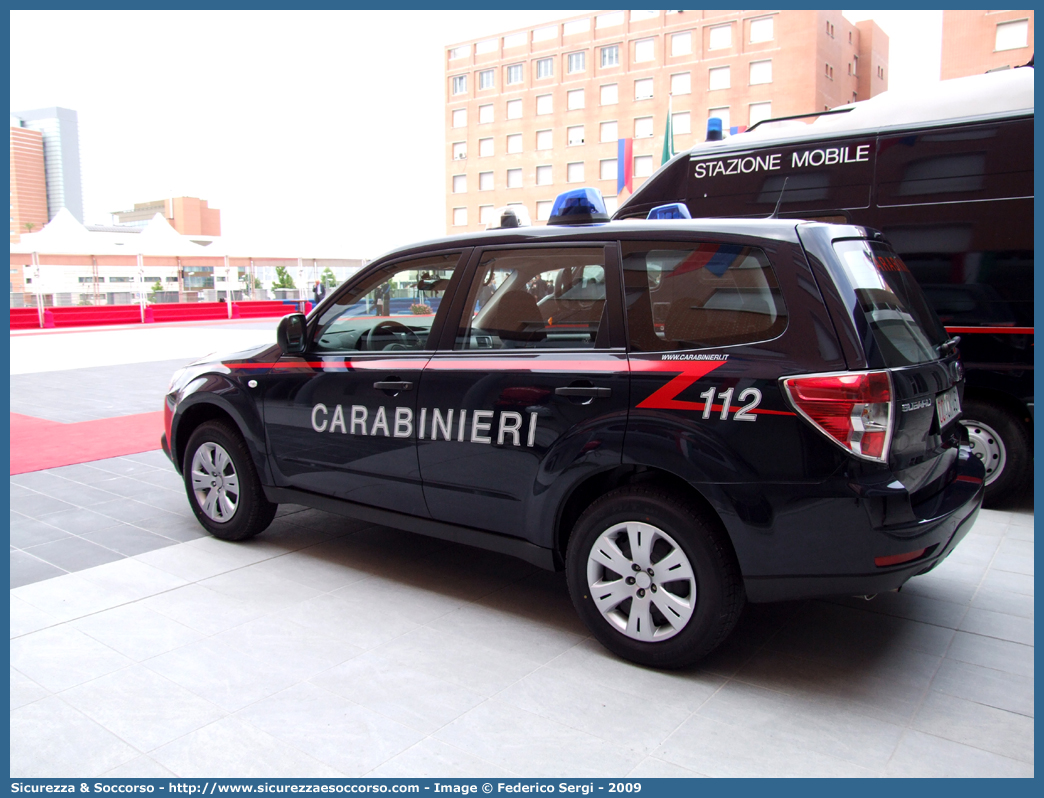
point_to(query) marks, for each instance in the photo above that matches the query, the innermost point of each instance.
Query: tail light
(854, 409)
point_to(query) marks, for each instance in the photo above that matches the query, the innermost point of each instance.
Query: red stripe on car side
(526, 364)
(734, 408)
(992, 330)
(687, 372)
(664, 397)
(356, 365)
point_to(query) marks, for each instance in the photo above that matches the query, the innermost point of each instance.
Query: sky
(316, 133)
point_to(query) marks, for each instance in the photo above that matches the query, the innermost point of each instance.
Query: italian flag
(668, 135)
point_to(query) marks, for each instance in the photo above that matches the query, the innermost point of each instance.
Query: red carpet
(37, 444)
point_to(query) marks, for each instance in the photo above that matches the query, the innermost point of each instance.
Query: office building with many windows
(59, 129)
(28, 181)
(532, 113)
(974, 42)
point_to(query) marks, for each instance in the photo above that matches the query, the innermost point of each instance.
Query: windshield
(904, 329)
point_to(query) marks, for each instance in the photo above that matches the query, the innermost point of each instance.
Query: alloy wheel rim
(988, 447)
(641, 581)
(215, 483)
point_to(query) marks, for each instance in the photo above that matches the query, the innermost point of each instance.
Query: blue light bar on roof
(714, 129)
(674, 210)
(579, 206)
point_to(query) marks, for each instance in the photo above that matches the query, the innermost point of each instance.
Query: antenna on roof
(775, 213)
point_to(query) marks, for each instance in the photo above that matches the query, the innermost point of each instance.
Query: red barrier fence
(103, 315)
(93, 316)
(24, 319)
(195, 311)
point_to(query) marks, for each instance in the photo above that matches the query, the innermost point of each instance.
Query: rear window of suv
(699, 295)
(904, 330)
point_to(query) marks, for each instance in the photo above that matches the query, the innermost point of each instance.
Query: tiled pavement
(74, 517)
(47, 394)
(324, 647)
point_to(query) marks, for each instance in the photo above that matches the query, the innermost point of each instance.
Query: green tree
(29, 226)
(283, 278)
(157, 287)
(257, 282)
(328, 278)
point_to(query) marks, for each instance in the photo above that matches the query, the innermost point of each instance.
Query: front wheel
(222, 484)
(652, 578)
(1002, 443)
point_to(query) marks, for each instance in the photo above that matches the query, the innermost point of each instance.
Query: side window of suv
(391, 311)
(695, 296)
(547, 298)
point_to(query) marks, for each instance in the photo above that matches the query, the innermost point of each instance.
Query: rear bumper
(938, 536)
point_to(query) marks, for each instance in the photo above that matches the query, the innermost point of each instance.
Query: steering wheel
(389, 327)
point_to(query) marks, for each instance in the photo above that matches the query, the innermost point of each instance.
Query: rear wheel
(222, 484)
(654, 580)
(1002, 443)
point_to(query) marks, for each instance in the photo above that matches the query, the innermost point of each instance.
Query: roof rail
(798, 116)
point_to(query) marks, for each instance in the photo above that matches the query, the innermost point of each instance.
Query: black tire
(235, 514)
(719, 595)
(1002, 442)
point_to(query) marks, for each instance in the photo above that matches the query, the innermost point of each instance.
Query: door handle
(393, 385)
(578, 390)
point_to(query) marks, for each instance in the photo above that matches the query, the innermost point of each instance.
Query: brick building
(534, 112)
(188, 215)
(28, 182)
(60, 132)
(974, 42)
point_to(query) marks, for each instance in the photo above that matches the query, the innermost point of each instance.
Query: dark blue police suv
(683, 414)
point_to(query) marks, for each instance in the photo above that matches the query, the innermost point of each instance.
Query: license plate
(948, 406)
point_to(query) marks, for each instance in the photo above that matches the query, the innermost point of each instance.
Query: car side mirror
(290, 334)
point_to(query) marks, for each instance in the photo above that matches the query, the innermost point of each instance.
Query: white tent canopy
(66, 236)
(158, 238)
(63, 235)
